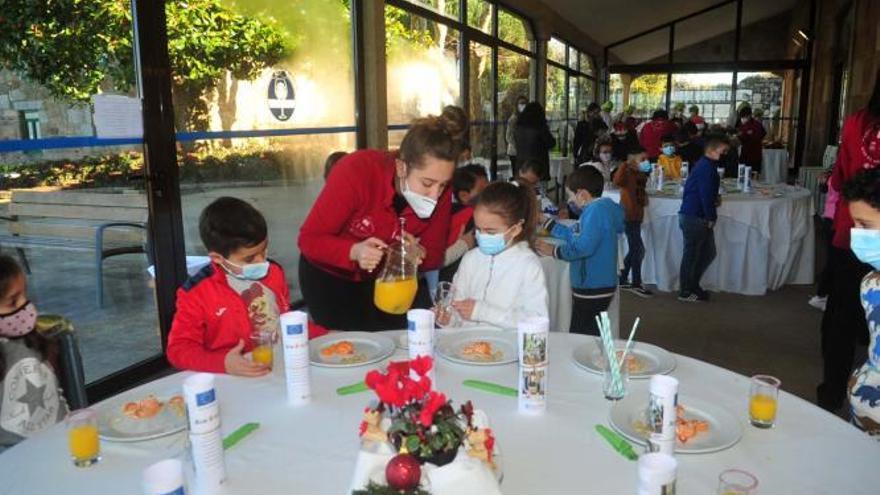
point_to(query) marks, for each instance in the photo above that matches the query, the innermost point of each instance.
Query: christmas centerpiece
(414, 441)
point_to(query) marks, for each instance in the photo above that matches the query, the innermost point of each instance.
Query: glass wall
(513, 81)
(711, 92)
(570, 89)
(647, 93)
(260, 125)
(422, 60)
(480, 87)
(71, 162)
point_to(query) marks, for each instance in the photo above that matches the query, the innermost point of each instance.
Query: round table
(774, 166)
(764, 240)
(312, 449)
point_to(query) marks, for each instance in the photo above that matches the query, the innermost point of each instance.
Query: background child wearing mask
(631, 178)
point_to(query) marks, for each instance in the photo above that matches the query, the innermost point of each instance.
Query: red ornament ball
(403, 472)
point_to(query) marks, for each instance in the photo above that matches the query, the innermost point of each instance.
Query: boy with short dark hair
(669, 160)
(697, 218)
(590, 248)
(467, 184)
(241, 293)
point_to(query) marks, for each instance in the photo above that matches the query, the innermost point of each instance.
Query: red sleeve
(434, 237)
(319, 238)
(186, 341)
(284, 292)
(840, 173)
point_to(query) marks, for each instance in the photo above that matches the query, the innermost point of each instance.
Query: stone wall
(57, 118)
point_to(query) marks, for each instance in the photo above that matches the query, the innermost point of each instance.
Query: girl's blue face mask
(492, 244)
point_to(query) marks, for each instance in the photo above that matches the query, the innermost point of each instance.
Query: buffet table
(312, 449)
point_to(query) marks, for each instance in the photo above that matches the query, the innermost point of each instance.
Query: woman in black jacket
(533, 138)
(589, 128)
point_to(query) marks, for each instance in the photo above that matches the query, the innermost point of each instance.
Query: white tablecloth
(774, 166)
(311, 450)
(763, 242)
(558, 280)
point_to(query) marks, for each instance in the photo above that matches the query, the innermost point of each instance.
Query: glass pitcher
(397, 283)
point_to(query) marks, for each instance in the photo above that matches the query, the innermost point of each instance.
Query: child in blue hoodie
(590, 248)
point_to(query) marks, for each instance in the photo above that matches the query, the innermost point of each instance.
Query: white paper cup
(202, 407)
(663, 385)
(422, 319)
(656, 470)
(164, 478)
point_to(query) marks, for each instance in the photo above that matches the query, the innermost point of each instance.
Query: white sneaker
(818, 302)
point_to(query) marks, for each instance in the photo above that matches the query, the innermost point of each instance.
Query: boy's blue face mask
(669, 150)
(250, 271)
(865, 244)
(646, 167)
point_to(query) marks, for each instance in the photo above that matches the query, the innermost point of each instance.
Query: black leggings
(843, 326)
(340, 304)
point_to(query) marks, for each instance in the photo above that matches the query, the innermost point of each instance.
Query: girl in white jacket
(501, 281)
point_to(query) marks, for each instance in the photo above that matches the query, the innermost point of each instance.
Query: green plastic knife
(620, 444)
(239, 434)
(352, 389)
(491, 387)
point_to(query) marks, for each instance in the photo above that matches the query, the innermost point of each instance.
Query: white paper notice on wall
(117, 116)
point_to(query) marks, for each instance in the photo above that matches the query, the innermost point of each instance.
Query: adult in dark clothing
(586, 132)
(690, 144)
(751, 136)
(533, 138)
(623, 139)
(843, 324)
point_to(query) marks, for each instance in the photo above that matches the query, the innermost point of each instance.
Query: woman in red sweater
(843, 324)
(344, 237)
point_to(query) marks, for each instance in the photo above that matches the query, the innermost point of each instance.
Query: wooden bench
(108, 222)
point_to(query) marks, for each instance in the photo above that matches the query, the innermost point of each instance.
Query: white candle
(656, 474)
(164, 478)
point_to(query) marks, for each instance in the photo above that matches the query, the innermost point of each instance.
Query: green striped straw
(610, 353)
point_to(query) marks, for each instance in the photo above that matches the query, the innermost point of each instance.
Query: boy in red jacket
(241, 293)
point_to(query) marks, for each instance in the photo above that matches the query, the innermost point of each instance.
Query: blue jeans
(698, 253)
(634, 254)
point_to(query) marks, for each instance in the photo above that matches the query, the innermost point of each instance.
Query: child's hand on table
(236, 364)
(465, 307)
(544, 248)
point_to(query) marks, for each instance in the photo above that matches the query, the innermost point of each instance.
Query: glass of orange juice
(737, 482)
(263, 352)
(82, 437)
(763, 399)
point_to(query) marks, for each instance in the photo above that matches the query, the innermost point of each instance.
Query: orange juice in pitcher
(397, 284)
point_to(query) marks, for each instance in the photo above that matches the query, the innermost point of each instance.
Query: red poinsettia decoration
(422, 420)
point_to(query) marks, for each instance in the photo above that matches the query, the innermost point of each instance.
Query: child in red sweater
(240, 294)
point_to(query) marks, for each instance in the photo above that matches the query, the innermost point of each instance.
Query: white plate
(628, 418)
(451, 346)
(399, 337)
(114, 426)
(654, 360)
(369, 348)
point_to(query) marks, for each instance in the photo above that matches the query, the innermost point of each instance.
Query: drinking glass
(737, 482)
(763, 399)
(447, 316)
(611, 390)
(82, 437)
(263, 352)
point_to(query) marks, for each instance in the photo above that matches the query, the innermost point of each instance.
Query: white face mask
(744, 119)
(521, 107)
(422, 205)
(605, 157)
